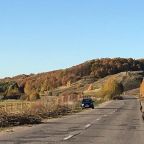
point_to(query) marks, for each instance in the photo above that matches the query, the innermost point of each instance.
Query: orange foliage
(98, 68)
(142, 89)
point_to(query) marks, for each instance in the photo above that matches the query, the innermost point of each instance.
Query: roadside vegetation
(33, 116)
(14, 113)
(30, 87)
(111, 88)
(27, 99)
(142, 89)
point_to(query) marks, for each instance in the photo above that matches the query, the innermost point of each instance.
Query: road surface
(116, 122)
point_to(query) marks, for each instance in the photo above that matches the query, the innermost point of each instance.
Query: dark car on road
(87, 103)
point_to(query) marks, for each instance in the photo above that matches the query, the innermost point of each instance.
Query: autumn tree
(111, 88)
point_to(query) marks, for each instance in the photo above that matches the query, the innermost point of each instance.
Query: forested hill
(96, 69)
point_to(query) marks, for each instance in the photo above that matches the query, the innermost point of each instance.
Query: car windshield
(87, 100)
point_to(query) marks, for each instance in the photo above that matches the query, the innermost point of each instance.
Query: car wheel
(92, 107)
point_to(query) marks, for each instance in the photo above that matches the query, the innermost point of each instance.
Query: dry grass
(13, 113)
(14, 106)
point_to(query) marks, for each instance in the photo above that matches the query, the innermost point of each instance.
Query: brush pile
(7, 120)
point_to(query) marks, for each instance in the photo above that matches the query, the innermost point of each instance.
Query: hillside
(130, 80)
(76, 78)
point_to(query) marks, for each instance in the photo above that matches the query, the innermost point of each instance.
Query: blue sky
(44, 35)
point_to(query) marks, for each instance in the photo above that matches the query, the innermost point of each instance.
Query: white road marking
(98, 119)
(112, 112)
(88, 125)
(68, 137)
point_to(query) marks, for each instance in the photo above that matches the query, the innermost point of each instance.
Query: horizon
(42, 36)
(64, 68)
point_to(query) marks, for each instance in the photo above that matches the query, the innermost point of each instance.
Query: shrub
(142, 89)
(111, 88)
(33, 96)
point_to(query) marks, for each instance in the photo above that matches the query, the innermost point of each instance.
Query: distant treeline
(30, 85)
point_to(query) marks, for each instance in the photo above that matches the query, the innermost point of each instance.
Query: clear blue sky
(44, 35)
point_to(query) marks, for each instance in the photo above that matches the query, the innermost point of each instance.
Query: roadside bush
(60, 111)
(23, 97)
(33, 96)
(142, 89)
(111, 88)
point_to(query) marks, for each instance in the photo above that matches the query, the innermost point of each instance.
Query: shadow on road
(114, 109)
(130, 98)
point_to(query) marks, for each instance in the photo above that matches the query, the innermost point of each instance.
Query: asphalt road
(116, 122)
